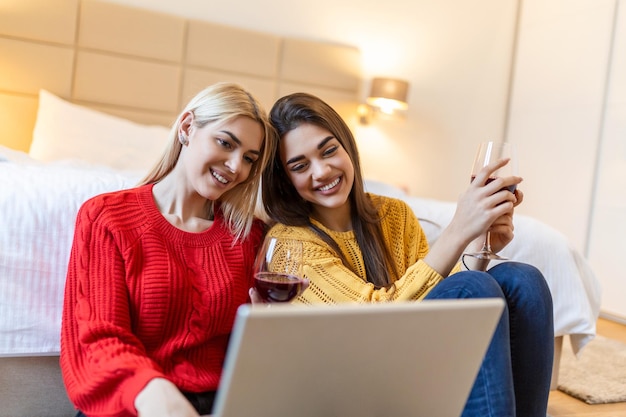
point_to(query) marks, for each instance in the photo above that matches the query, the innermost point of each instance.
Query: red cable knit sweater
(144, 299)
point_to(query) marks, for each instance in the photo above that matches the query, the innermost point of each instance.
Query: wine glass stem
(487, 243)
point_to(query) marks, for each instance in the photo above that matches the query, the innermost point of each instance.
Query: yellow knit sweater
(332, 282)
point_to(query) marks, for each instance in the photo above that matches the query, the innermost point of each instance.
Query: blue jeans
(514, 378)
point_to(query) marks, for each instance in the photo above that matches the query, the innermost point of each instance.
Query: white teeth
(219, 177)
(329, 186)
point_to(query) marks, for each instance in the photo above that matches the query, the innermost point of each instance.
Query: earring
(183, 140)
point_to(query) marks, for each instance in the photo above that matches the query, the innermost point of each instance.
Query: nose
(320, 170)
(233, 164)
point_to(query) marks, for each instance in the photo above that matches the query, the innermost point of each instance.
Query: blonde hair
(223, 102)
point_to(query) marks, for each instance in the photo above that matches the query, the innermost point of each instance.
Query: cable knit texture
(144, 299)
(332, 282)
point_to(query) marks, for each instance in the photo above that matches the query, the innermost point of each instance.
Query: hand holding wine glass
(278, 270)
(488, 152)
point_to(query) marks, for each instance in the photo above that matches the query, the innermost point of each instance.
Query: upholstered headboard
(145, 65)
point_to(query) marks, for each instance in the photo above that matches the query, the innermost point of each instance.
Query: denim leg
(532, 334)
(492, 394)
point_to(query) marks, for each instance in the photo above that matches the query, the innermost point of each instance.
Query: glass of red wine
(487, 153)
(278, 270)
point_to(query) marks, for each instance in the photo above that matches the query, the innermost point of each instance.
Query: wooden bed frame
(144, 66)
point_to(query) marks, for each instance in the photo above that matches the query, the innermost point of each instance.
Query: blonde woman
(157, 272)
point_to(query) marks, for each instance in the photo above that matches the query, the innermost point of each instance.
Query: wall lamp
(387, 96)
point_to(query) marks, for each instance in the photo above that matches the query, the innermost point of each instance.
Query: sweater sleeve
(332, 282)
(415, 244)
(104, 365)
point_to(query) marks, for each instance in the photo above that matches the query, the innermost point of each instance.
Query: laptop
(355, 360)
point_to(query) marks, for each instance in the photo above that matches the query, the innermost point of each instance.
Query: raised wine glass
(489, 152)
(278, 270)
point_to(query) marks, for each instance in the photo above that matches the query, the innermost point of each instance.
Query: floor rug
(598, 374)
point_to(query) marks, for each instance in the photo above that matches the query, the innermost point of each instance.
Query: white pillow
(13, 155)
(383, 188)
(64, 130)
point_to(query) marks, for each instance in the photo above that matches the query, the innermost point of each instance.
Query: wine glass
(278, 270)
(489, 152)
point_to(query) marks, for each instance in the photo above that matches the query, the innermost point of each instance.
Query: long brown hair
(284, 205)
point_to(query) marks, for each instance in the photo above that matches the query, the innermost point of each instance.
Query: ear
(186, 124)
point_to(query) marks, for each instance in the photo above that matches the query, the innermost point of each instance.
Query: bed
(87, 90)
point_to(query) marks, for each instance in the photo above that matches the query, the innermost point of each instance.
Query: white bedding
(38, 205)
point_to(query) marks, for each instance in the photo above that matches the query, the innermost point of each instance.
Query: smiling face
(220, 155)
(319, 168)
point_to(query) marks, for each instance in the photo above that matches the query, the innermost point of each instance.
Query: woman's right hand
(161, 398)
(483, 202)
(477, 209)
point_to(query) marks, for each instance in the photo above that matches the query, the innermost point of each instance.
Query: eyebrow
(237, 141)
(319, 146)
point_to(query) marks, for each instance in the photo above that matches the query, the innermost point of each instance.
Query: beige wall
(567, 111)
(608, 220)
(455, 53)
(557, 107)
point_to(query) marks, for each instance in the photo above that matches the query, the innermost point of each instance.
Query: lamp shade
(388, 94)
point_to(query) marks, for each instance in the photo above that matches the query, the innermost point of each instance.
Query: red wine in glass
(510, 188)
(276, 287)
(278, 270)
